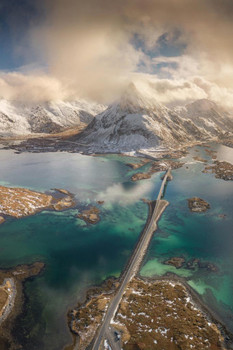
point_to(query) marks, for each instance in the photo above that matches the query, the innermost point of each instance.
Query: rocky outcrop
(90, 215)
(198, 205)
(156, 167)
(222, 170)
(192, 264)
(140, 176)
(138, 165)
(21, 202)
(200, 159)
(12, 300)
(176, 261)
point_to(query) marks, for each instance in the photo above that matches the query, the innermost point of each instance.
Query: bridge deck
(133, 268)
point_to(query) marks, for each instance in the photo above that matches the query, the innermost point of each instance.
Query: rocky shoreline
(21, 202)
(191, 264)
(156, 167)
(16, 277)
(198, 205)
(177, 316)
(222, 170)
(67, 143)
(90, 215)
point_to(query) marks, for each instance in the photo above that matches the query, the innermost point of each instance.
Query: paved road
(11, 299)
(132, 269)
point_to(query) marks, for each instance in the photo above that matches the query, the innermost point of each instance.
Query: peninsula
(12, 299)
(20, 202)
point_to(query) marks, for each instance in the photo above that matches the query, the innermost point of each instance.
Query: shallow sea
(78, 255)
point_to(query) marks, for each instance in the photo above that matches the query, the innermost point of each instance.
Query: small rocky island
(198, 205)
(191, 264)
(90, 215)
(138, 165)
(156, 167)
(176, 261)
(12, 298)
(21, 202)
(160, 314)
(211, 153)
(200, 159)
(222, 170)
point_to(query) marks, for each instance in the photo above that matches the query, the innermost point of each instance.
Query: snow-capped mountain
(208, 115)
(137, 121)
(17, 118)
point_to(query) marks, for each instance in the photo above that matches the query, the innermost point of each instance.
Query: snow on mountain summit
(137, 121)
(134, 99)
(19, 118)
(208, 115)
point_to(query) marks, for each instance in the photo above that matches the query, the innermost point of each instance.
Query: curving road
(131, 270)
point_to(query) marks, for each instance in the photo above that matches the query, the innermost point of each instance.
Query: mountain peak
(134, 99)
(203, 104)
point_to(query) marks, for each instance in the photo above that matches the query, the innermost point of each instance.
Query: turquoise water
(205, 236)
(79, 255)
(76, 255)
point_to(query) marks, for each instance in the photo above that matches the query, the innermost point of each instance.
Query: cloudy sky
(63, 49)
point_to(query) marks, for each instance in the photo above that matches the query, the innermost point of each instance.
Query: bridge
(105, 331)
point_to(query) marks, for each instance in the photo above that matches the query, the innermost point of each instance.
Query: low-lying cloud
(118, 194)
(31, 87)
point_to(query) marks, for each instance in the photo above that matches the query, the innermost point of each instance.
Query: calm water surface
(79, 255)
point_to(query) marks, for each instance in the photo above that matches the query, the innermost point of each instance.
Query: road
(132, 269)
(6, 310)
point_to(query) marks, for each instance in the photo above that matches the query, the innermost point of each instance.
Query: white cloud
(118, 194)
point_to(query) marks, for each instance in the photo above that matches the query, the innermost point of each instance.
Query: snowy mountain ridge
(137, 121)
(18, 118)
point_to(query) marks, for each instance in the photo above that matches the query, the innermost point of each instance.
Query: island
(175, 261)
(152, 315)
(222, 170)
(140, 176)
(198, 205)
(90, 215)
(156, 167)
(191, 264)
(138, 165)
(20, 202)
(211, 153)
(200, 159)
(12, 299)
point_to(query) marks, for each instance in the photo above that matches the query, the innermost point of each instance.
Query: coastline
(99, 290)
(201, 305)
(155, 277)
(20, 274)
(52, 143)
